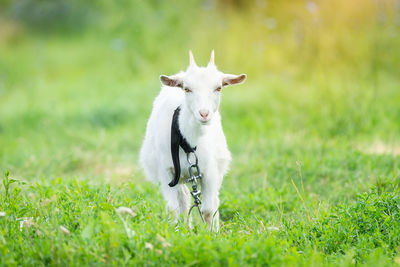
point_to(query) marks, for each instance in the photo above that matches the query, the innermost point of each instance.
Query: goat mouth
(204, 122)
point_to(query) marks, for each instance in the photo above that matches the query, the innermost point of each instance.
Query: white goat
(197, 91)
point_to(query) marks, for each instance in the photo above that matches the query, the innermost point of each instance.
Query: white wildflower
(164, 243)
(148, 246)
(64, 230)
(25, 222)
(125, 210)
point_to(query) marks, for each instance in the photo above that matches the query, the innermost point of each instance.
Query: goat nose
(204, 113)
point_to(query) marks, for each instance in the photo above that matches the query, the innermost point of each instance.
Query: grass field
(314, 134)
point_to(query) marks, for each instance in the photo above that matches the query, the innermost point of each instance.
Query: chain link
(194, 176)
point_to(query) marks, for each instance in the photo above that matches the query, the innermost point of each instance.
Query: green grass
(314, 135)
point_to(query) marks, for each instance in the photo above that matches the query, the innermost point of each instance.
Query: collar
(177, 140)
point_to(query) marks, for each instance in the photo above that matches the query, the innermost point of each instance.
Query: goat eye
(218, 89)
(187, 90)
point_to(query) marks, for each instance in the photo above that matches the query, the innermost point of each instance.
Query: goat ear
(230, 79)
(172, 81)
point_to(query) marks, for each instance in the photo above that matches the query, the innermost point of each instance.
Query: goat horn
(212, 57)
(192, 62)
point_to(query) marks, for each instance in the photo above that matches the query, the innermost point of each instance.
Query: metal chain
(194, 176)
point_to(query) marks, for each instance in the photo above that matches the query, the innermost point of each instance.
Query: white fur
(204, 133)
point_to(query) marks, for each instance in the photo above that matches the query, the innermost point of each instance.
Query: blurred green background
(316, 123)
(77, 78)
